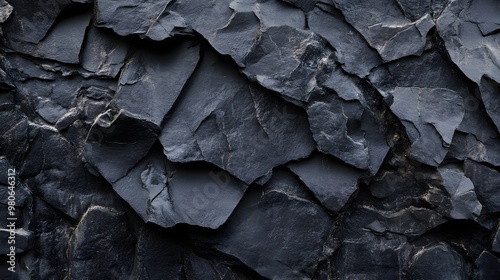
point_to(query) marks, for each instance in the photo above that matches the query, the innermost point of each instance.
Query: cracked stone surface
(250, 139)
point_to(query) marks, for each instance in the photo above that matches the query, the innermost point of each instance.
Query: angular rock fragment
(371, 257)
(152, 81)
(218, 107)
(5, 10)
(167, 194)
(437, 262)
(351, 49)
(461, 190)
(130, 17)
(342, 128)
(495, 244)
(411, 222)
(487, 266)
(460, 25)
(102, 245)
(368, 247)
(292, 230)
(237, 36)
(288, 61)
(60, 181)
(157, 257)
(415, 9)
(430, 117)
(470, 147)
(35, 18)
(386, 29)
(62, 43)
(277, 13)
(490, 94)
(331, 181)
(117, 142)
(53, 231)
(15, 134)
(103, 53)
(485, 14)
(486, 183)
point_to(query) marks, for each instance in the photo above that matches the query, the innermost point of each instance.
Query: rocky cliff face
(250, 139)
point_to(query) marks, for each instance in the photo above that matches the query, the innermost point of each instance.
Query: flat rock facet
(331, 181)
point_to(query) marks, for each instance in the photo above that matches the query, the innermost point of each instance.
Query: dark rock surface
(250, 139)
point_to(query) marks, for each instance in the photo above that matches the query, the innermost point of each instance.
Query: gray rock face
(278, 131)
(351, 49)
(429, 116)
(490, 91)
(331, 181)
(487, 266)
(166, 194)
(388, 31)
(5, 11)
(451, 265)
(61, 43)
(114, 256)
(155, 80)
(287, 219)
(35, 18)
(103, 53)
(461, 190)
(472, 43)
(486, 182)
(274, 65)
(250, 139)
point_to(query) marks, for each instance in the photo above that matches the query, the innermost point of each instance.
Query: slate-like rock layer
(250, 139)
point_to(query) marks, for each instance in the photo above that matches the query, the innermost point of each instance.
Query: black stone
(102, 245)
(425, 264)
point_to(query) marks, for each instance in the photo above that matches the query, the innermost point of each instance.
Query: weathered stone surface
(484, 14)
(486, 183)
(430, 117)
(154, 79)
(282, 55)
(495, 244)
(103, 53)
(343, 129)
(490, 93)
(386, 29)
(487, 266)
(53, 230)
(34, 18)
(331, 181)
(250, 139)
(424, 264)
(157, 257)
(59, 180)
(167, 194)
(278, 132)
(292, 230)
(130, 17)
(461, 190)
(351, 49)
(62, 42)
(461, 26)
(102, 245)
(5, 10)
(415, 9)
(117, 142)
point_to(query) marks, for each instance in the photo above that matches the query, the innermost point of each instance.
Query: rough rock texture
(250, 139)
